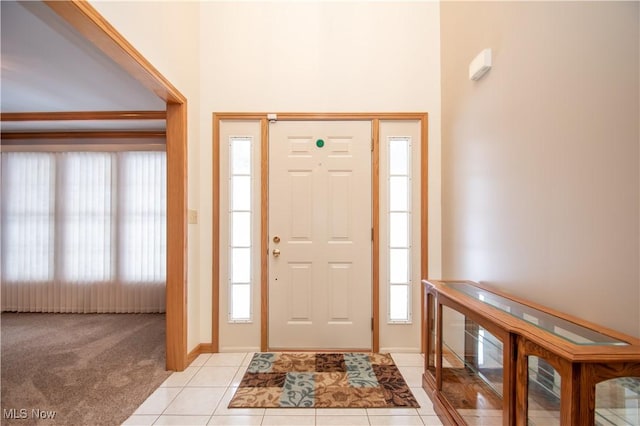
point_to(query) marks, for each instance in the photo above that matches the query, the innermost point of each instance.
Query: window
(85, 215)
(142, 216)
(240, 219)
(399, 214)
(81, 231)
(28, 206)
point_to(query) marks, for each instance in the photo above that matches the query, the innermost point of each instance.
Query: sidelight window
(240, 219)
(399, 214)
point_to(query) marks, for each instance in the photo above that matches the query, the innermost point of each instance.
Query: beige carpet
(88, 369)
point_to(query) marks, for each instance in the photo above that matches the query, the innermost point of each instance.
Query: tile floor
(200, 395)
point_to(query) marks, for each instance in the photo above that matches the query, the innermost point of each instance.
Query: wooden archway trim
(102, 134)
(83, 115)
(94, 27)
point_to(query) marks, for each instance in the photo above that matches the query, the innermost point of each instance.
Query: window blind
(83, 231)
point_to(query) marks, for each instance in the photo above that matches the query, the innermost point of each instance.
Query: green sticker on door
(320, 143)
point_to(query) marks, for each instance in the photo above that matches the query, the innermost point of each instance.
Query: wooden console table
(496, 359)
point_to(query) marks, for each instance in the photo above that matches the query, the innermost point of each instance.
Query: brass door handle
(276, 253)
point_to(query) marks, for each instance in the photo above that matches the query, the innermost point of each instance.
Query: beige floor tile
(140, 420)
(200, 360)
(222, 409)
(412, 375)
(333, 420)
(248, 358)
(431, 421)
(226, 360)
(288, 420)
(408, 360)
(236, 420)
(202, 392)
(182, 420)
(180, 378)
(213, 376)
(290, 412)
(196, 401)
(426, 406)
(238, 377)
(392, 412)
(158, 401)
(341, 412)
(395, 420)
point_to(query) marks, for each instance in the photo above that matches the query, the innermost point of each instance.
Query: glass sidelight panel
(241, 193)
(240, 217)
(398, 266)
(399, 229)
(399, 307)
(543, 393)
(241, 294)
(241, 156)
(618, 402)
(399, 148)
(241, 229)
(398, 193)
(399, 216)
(240, 271)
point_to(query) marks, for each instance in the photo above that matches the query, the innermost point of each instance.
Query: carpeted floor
(323, 380)
(85, 369)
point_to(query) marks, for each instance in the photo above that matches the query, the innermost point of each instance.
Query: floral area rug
(322, 380)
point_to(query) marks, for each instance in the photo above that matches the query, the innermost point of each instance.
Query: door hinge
(371, 234)
(371, 144)
(371, 324)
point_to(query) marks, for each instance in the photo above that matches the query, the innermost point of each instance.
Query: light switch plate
(192, 216)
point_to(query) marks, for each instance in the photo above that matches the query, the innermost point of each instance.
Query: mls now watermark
(23, 413)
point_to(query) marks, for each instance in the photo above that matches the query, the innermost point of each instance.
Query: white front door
(320, 291)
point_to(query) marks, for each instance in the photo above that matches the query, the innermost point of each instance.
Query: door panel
(320, 290)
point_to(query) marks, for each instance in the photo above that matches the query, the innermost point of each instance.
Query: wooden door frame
(375, 119)
(84, 18)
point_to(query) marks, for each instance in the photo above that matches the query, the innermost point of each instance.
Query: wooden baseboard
(202, 348)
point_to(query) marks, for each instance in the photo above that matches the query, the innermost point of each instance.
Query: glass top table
(567, 330)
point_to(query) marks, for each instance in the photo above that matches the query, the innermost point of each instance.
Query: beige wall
(540, 160)
(323, 57)
(167, 34)
(285, 56)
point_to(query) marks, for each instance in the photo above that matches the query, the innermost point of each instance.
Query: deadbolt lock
(276, 239)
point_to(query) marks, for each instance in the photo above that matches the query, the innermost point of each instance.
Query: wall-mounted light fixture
(480, 65)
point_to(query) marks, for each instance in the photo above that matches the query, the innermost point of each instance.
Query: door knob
(276, 253)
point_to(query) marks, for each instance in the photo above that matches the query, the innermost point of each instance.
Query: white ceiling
(46, 66)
